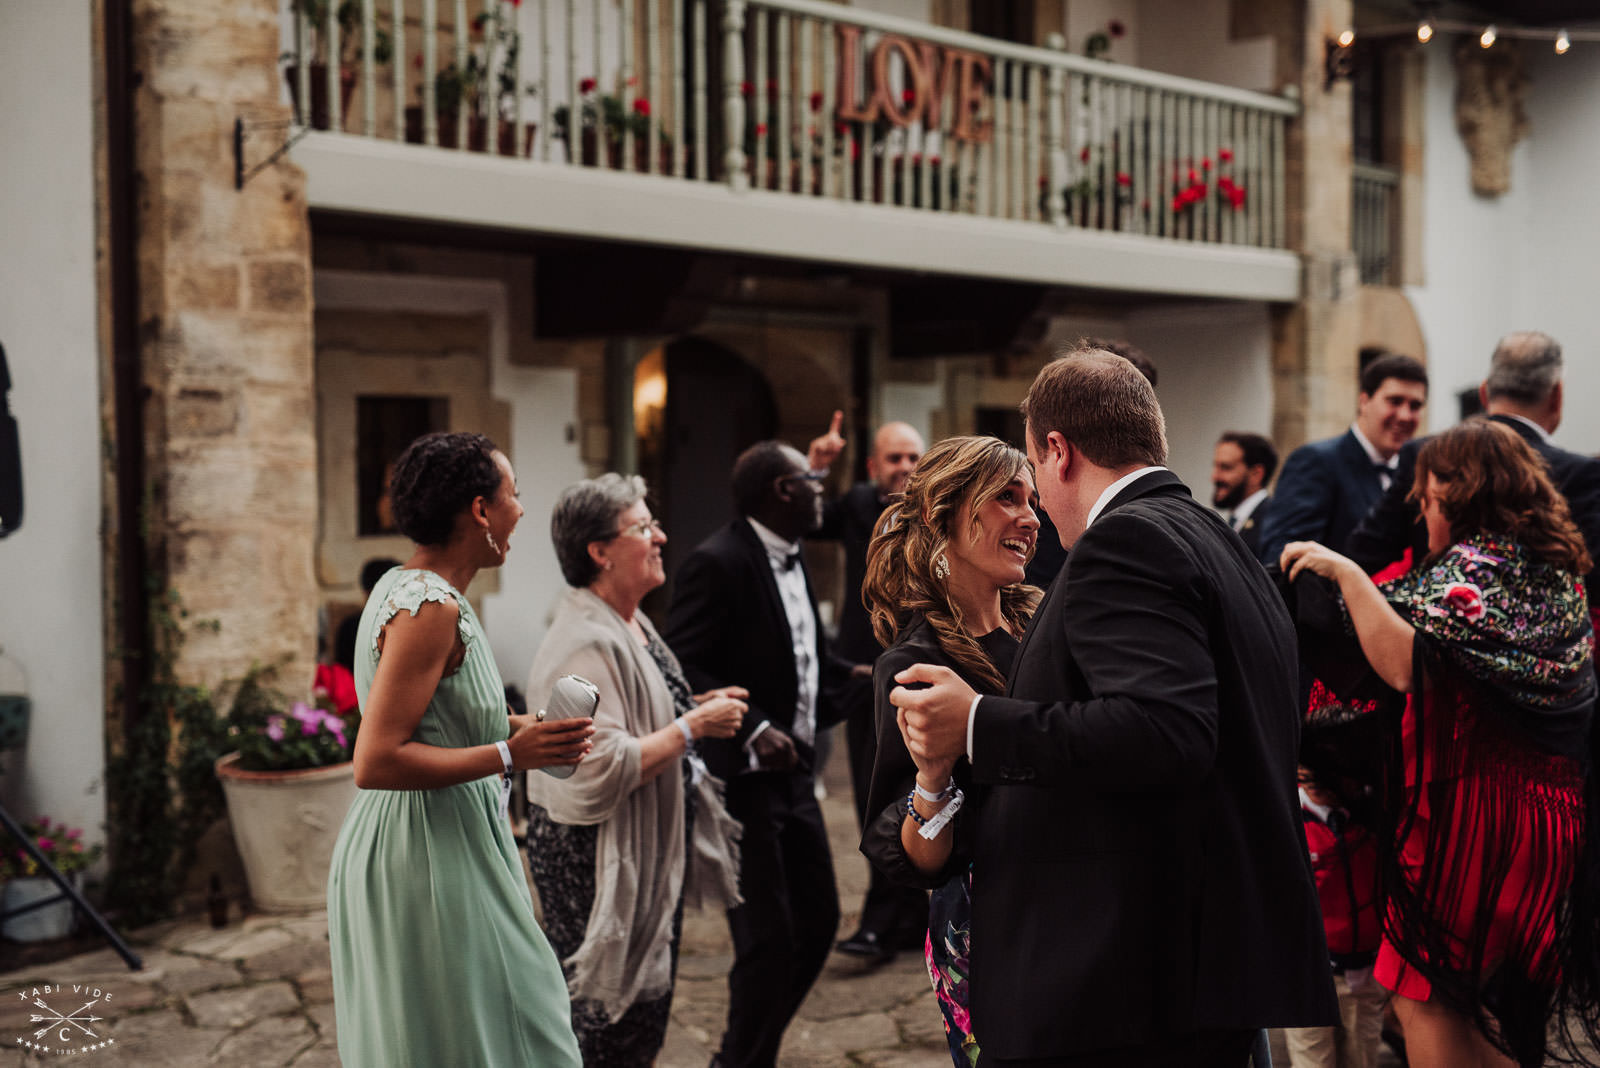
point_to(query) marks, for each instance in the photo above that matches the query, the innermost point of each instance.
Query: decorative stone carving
(1491, 85)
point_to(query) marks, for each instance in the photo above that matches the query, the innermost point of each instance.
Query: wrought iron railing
(1373, 213)
(805, 98)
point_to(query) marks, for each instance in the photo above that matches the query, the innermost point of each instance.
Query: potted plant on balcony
(288, 784)
(348, 17)
(61, 846)
(603, 118)
(469, 83)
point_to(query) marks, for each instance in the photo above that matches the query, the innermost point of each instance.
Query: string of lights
(1340, 50)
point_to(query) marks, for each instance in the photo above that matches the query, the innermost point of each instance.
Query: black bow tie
(790, 561)
(1383, 470)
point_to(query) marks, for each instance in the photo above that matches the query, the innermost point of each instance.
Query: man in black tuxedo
(1327, 487)
(1241, 469)
(743, 614)
(1141, 893)
(892, 917)
(1524, 391)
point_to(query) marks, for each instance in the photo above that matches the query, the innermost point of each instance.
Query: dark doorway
(717, 405)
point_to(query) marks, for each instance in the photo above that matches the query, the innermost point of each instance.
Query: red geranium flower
(841, 128)
(933, 160)
(747, 88)
(816, 101)
(1225, 155)
(1236, 197)
(1123, 178)
(908, 97)
(1205, 164)
(1179, 202)
(587, 85)
(761, 129)
(1084, 154)
(641, 106)
(1193, 176)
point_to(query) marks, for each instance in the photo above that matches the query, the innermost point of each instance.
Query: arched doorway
(698, 405)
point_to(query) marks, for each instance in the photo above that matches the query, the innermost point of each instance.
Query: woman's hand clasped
(550, 743)
(718, 715)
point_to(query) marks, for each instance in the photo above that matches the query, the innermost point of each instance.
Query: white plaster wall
(51, 610)
(1524, 260)
(1191, 38)
(1214, 364)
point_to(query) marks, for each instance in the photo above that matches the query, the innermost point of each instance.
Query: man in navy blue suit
(1327, 487)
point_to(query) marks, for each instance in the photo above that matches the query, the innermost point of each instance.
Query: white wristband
(688, 735)
(505, 758)
(934, 799)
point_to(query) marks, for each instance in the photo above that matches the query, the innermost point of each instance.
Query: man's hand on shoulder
(825, 449)
(935, 703)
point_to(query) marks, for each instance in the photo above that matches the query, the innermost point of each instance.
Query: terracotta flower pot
(285, 824)
(319, 92)
(477, 133)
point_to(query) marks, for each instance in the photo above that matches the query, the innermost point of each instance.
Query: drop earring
(941, 568)
(489, 536)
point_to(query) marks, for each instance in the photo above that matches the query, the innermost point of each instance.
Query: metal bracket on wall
(241, 132)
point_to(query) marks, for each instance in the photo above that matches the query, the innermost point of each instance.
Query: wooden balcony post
(1055, 124)
(733, 161)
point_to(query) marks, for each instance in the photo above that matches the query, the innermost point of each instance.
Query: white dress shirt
(802, 629)
(1246, 508)
(1391, 465)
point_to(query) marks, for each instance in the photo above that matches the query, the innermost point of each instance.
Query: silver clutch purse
(571, 696)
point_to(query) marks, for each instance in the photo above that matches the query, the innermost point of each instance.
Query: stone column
(225, 314)
(1315, 341)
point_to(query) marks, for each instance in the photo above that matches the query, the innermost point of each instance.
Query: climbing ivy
(161, 790)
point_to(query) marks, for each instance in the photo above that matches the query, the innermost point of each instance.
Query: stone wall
(225, 319)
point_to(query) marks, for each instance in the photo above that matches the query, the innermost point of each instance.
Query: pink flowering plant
(61, 845)
(273, 733)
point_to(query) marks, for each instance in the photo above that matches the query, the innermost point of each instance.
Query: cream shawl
(625, 957)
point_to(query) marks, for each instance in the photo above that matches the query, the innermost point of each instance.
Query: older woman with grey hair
(640, 827)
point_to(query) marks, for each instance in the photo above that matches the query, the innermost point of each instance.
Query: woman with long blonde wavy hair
(944, 585)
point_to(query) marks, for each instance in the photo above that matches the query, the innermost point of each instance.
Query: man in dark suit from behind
(892, 917)
(1524, 391)
(1241, 469)
(1141, 893)
(743, 614)
(1328, 486)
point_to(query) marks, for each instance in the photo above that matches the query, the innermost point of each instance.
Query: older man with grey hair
(1524, 391)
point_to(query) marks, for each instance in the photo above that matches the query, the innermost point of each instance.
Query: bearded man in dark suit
(1241, 470)
(743, 613)
(1524, 391)
(1141, 893)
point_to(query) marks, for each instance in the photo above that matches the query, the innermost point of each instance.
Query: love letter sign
(932, 71)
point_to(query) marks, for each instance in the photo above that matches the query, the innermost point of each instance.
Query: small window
(384, 427)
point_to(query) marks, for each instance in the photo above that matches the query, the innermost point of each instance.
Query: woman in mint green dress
(437, 959)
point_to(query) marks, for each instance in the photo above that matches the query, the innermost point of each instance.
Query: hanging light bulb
(1563, 42)
(1424, 31)
(1486, 39)
(1347, 38)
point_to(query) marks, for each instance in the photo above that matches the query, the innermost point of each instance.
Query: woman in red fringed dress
(1490, 925)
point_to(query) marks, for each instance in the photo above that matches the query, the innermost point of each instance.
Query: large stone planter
(42, 924)
(285, 824)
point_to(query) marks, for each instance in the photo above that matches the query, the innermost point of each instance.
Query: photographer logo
(64, 1019)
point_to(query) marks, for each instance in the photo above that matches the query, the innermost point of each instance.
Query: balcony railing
(1373, 191)
(804, 98)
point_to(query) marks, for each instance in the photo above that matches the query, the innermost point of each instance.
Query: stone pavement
(258, 992)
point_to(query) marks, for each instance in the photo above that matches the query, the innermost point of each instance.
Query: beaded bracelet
(911, 810)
